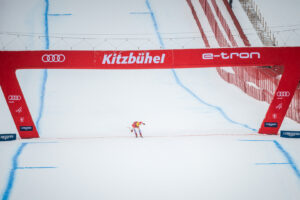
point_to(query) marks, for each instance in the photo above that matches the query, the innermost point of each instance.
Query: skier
(136, 127)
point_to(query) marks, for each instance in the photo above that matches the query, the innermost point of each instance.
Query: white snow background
(189, 150)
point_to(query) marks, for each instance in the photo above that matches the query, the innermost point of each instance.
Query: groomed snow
(191, 149)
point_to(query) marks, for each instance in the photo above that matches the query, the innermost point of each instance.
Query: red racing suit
(136, 127)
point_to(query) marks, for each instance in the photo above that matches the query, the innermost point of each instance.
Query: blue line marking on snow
(155, 24)
(15, 167)
(66, 14)
(36, 167)
(41, 142)
(220, 110)
(272, 163)
(288, 157)
(15, 158)
(42, 99)
(256, 140)
(12, 173)
(46, 25)
(139, 13)
(45, 71)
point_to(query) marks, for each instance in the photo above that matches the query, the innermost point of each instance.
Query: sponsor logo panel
(271, 124)
(26, 128)
(232, 55)
(290, 134)
(13, 98)
(8, 137)
(53, 58)
(282, 94)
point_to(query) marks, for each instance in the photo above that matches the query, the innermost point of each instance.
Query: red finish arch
(289, 57)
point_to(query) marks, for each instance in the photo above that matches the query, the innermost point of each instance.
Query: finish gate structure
(289, 57)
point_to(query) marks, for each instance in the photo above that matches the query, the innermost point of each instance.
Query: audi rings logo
(53, 58)
(14, 97)
(283, 94)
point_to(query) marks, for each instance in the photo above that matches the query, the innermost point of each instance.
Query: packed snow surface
(200, 138)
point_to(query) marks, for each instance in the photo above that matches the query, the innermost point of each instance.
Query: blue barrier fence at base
(290, 134)
(8, 137)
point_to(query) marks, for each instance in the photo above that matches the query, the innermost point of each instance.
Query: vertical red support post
(17, 104)
(281, 100)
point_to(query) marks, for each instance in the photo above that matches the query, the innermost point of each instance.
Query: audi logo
(53, 58)
(283, 94)
(14, 97)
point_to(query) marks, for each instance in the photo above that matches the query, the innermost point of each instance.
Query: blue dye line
(220, 110)
(45, 71)
(46, 25)
(12, 173)
(256, 140)
(155, 25)
(272, 163)
(36, 167)
(139, 13)
(42, 99)
(288, 157)
(41, 142)
(15, 167)
(67, 14)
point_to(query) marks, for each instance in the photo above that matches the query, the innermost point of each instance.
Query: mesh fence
(23, 41)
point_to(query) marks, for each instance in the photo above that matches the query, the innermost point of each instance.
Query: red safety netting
(258, 82)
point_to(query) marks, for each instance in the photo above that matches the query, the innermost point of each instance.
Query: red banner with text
(150, 59)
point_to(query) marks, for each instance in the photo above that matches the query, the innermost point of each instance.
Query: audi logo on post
(14, 97)
(283, 94)
(53, 58)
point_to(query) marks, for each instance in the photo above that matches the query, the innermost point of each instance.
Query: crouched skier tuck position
(136, 128)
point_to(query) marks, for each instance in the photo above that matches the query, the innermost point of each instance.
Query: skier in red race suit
(136, 127)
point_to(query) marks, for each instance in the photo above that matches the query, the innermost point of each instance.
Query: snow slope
(110, 100)
(212, 167)
(175, 104)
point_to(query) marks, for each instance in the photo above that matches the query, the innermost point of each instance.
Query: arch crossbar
(289, 57)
